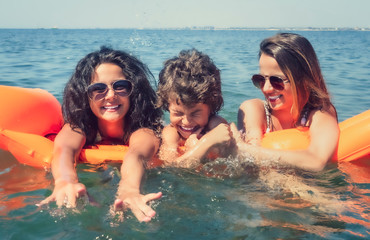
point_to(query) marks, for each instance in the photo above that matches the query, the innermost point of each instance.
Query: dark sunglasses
(98, 91)
(276, 82)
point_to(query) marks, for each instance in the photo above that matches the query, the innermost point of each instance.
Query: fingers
(143, 213)
(152, 196)
(118, 205)
(234, 130)
(66, 195)
(46, 201)
(138, 206)
(147, 210)
(81, 191)
(60, 199)
(74, 192)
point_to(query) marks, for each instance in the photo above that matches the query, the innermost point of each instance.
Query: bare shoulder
(143, 136)
(323, 116)
(70, 138)
(324, 127)
(251, 114)
(170, 136)
(215, 120)
(251, 104)
(169, 132)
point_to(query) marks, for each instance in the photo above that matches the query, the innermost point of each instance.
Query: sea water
(232, 204)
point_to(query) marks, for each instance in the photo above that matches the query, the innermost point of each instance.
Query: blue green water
(279, 204)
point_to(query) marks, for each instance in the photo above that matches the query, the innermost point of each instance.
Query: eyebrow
(196, 111)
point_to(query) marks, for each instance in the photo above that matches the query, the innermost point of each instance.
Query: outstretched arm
(67, 147)
(143, 146)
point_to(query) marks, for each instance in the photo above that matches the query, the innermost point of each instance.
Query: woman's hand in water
(137, 203)
(65, 193)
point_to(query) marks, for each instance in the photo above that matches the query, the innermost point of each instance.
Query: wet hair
(142, 111)
(298, 61)
(190, 78)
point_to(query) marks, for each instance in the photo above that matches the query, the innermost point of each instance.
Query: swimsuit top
(304, 116)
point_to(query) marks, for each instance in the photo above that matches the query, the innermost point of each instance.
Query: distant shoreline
(210, 28)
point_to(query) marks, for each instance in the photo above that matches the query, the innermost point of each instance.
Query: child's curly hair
(190, 78)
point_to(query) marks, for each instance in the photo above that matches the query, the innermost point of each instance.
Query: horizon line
(205, 28)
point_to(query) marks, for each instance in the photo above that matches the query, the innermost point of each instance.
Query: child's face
(188, 120)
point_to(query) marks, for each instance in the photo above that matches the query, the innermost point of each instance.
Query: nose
(110, 93)
(267, 87)
(186, 120)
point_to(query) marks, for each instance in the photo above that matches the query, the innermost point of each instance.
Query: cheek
(202, 120)
(289, 94)
(127, 103)
(174, 119)
(94, 108)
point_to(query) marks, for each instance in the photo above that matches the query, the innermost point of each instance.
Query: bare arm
(252, 120)
(143, 146)
(324, 133)
(168, 152)
(67, 147)
(195, 150)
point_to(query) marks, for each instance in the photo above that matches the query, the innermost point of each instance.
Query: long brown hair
(298, 61)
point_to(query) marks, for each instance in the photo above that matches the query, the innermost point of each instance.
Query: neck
(284, 118)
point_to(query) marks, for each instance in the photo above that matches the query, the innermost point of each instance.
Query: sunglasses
(276, 82)
(98, 91)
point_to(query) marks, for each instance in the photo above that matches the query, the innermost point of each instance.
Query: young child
(190, 89)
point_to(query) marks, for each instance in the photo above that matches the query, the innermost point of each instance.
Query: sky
(184, 13)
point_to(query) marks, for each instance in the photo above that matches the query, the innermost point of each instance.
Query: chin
(112, 118)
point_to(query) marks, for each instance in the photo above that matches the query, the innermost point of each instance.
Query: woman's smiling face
(112, 107)
(277, 99)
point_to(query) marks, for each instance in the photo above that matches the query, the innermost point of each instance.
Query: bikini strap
(304, 115)
(268, 117)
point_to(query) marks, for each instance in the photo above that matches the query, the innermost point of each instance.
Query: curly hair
(190, 78)
(142, 111)
(298, 61)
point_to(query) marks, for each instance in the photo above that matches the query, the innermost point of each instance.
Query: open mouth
(187, 129)
(274, 98)
(111, 108)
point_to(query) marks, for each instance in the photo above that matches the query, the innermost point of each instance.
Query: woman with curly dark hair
(190, 89)
(109, 98)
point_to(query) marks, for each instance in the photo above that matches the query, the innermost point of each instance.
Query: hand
(137, 203)
(236, 134)
(220, 134)
(192, 139)
(63, 191)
